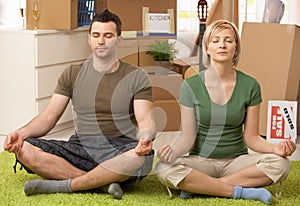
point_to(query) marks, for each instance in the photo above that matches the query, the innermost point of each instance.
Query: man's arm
(38, 126)
(45, 121)
(146, 125)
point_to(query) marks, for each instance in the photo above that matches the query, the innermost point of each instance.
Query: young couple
(114, 129)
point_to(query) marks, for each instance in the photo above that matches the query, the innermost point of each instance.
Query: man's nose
(101, 40)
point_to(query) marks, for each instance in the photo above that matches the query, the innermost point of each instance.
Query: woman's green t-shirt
(220, 127)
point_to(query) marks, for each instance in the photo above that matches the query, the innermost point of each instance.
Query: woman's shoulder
(195, 77)
(194, 82)
(245, 76)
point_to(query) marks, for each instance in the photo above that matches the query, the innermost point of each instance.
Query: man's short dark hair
(107, 16)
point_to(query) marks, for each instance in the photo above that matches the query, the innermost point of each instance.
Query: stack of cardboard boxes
(270, 53)
(166, 90)
(54, 14)
(63, 14)
(131, 11)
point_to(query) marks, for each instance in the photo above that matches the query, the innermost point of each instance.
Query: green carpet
(147, 192)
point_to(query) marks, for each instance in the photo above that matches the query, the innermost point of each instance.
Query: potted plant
(163, 52)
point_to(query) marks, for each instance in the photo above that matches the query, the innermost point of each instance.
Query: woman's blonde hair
(214, 28)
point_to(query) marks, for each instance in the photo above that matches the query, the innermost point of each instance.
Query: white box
(282, 120)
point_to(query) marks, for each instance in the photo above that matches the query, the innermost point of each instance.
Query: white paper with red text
(282, 121)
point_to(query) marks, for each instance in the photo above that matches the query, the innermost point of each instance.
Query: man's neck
(107, 65)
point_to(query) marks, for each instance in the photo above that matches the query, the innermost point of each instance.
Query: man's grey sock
(47, 186)
(261, 194)
(115, 190)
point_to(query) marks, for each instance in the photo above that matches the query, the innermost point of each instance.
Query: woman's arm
(258, 144)
(185, 141)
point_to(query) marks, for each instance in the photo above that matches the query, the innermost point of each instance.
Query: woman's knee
(275, 167)
(162, 171)
(171, 174)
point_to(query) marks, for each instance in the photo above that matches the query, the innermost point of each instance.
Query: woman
(220, 115)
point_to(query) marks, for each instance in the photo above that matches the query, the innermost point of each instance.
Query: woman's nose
(222, 44)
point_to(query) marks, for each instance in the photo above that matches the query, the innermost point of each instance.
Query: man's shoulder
(74, 67)
(129, 68)
(72, 70)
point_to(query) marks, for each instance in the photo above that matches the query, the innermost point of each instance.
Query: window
(10, 14)
(252, 10)
(187, 15)
(249, 10)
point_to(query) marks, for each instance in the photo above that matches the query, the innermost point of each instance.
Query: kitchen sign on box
(158, 22)
(282, 121)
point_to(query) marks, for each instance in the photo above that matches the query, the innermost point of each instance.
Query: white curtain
(273, 11)
(10, 13)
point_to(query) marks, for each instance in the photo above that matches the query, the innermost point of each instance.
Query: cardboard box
(224, 9)
(282, 121)
(128, 51)
(167, 115)
(270, 53)
(166, 87)
(181, 65)
(130, 11)
(298, 114)
(54, 14)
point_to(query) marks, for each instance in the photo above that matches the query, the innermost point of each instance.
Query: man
(112, 103)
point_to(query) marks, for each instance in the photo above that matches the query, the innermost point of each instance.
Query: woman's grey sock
(186, 195)
(261, 194)
(47, 186)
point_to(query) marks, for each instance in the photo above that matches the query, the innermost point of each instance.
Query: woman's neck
(220, 82)
(223, 72)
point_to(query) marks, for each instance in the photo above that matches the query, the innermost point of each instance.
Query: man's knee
(135, 160)
(24, 155)
(126, 163)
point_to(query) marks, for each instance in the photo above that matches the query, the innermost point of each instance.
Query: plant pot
(165, 64)
(162, 67)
